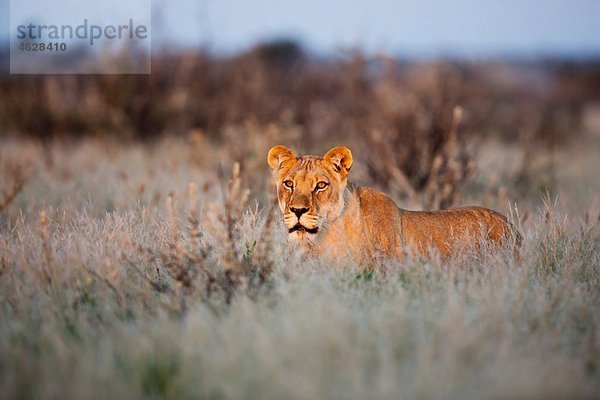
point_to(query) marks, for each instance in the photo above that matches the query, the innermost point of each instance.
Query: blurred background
(440, 102)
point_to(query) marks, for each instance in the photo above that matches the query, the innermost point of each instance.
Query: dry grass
(158, 268)
(149, 271)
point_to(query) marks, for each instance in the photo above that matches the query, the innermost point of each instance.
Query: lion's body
(373, 225)
(323, 214)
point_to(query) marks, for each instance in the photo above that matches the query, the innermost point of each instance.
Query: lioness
(324, 215)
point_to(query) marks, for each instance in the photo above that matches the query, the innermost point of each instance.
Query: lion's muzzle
(306, 222)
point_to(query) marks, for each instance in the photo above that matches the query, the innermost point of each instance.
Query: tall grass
(143, 272)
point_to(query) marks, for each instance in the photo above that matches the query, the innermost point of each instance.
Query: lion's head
(310, 189)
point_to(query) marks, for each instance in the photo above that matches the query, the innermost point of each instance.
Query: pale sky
(468, 27)
(476, 28)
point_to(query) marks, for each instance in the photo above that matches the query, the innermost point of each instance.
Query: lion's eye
(288, 184)
(322, 185)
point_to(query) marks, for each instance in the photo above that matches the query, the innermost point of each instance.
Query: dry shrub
(10, 193)
(428, 172)
(401, 113)
(13, 178)
(279, 83)
(207, 254)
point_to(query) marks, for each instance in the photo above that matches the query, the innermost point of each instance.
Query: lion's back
(449, 228)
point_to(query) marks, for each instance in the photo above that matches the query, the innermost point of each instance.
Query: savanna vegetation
(141, 255)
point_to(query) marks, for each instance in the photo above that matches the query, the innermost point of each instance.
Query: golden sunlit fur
(323, 214)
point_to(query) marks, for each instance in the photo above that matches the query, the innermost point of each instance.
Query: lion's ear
(278, 155)
(341, 158)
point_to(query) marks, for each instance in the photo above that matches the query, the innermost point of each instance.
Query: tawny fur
(327, 217)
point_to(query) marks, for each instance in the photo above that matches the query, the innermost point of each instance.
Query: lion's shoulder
(373, 202)
(378, 215)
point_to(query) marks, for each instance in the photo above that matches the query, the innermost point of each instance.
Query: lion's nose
(299, 211)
